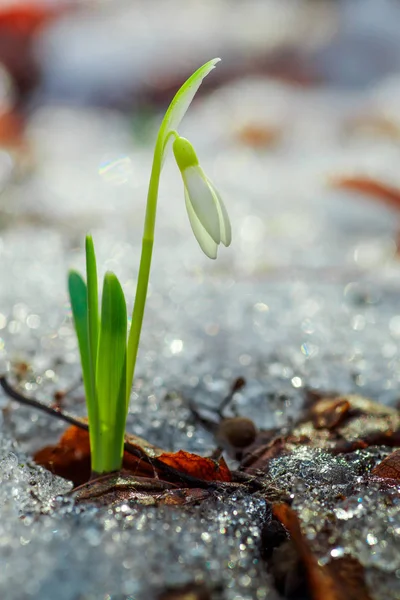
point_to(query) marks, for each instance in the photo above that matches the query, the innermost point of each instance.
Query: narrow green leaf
(79, 304)
(78, 298)
(93, 338)
(121, 411)
(93, 308)
(111, 372)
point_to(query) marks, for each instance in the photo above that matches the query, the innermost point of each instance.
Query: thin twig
(53, 412)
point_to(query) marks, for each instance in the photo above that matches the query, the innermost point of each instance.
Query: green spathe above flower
(207, 213)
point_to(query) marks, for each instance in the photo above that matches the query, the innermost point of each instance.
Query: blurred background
(307, 91)
(298, 127)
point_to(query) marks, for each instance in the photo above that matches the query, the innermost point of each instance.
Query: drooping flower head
(207, 213)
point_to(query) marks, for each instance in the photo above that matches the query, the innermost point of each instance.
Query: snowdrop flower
(207, 213)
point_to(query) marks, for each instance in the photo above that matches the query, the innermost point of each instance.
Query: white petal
(206, 242)
(203, 201)
(224, 222)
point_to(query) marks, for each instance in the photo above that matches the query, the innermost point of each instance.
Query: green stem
(145, 264)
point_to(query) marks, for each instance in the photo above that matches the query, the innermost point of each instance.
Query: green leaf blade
(92, 292)
(111, 372)
(79, 304)
(121, 411)
(93, 339)
(78, 298)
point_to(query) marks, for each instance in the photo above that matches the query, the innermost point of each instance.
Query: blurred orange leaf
(370, 187)
(11, 129)
(25, 18)
(257, 136)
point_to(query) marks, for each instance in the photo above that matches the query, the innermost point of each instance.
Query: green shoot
(93, 338)
(108, 359)
(78, 297)
(111, 382)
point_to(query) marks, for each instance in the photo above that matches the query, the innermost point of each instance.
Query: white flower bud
(207, 213)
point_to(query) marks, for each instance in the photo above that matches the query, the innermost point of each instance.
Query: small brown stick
(231, 433)
(237, 385)
(52, 411)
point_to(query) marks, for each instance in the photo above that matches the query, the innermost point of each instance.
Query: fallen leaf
(114, 488)
(389, 468)
(352, 422)
(259, 454)
(339, 579)
(328, 413)
(340, 424)
(69, 458)
(183, 496)
(197, 466)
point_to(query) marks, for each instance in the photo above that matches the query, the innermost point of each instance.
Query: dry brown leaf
(69, 458)
(259, 455)
(389, 468)
(337, 425)
(337, 580)
(328, 413)
(197, 466)
(115, 488)
(183, 496)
